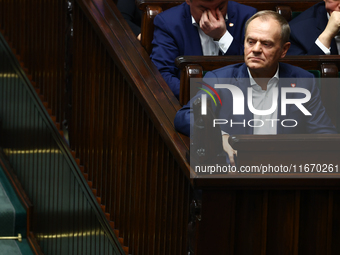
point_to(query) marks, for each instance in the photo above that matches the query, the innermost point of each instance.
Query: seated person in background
(197, 27)
(316, 30)
(132, 15)
(266, 42)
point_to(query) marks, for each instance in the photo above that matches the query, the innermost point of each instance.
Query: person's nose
(257, 47)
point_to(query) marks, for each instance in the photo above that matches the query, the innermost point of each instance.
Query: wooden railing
(121, 126)
(65, 217)
(37, 32)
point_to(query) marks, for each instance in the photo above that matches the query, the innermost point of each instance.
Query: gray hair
(264, 15)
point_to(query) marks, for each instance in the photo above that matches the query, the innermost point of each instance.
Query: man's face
(332, 5)
(262, 47)
(197, 7)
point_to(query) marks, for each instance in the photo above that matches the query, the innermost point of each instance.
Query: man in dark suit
(197, 27)
(316, 30)
(266, 42)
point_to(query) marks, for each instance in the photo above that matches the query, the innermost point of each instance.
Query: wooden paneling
(36, 30)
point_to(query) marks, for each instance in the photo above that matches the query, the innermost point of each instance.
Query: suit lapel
(322, 20)
(231, 18)
(192, 34)
(284, 74)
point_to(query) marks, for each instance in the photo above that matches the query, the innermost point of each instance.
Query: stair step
(11, 209)
(13, 247)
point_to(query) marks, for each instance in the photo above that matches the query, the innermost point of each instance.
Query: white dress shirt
(211, 47)
(263, 100)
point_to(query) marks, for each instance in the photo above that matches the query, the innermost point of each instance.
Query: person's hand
(331, 29)
(139, 37)
(212, 26)
(228, 149)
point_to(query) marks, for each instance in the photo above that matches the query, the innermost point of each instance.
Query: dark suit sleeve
(298, 47)
(184, 119)
(164, 53)
(305, 29)
(319, 122)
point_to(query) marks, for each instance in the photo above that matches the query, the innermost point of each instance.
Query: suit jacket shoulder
(306, 28)
(176, 23)
(231, 71)
(290, 71)
(311, 14)
(240, 71)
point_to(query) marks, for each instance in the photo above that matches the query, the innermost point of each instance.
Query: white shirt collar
(253, 82)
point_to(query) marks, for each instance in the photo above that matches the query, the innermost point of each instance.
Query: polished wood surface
(122, 131)
(40, 45)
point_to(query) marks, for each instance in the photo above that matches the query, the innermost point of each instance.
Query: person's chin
(254, 65)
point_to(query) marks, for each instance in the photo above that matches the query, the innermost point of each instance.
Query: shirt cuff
(323, 47)
(225, 42)
(224, 133)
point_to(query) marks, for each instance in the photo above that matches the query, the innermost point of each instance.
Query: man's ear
(285, 48)
(188, 2)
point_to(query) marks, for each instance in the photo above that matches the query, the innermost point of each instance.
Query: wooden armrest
(189, 71)
(147, 26)
(330, 90)
(329, 70)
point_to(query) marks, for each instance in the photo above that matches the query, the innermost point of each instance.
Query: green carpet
(9, 247)
(12, 220)
(7, 214)
(19, 222)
